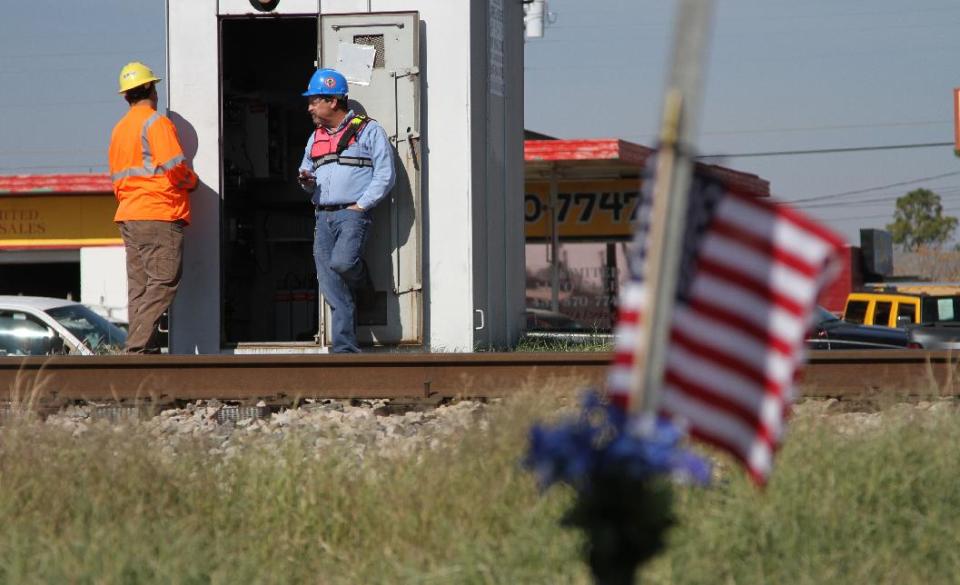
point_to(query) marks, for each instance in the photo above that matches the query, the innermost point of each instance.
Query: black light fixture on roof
(264, 5)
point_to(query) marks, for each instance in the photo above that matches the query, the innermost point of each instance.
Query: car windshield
(94, 331)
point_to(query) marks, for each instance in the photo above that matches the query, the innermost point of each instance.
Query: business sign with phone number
(58, 221)
(585, 209)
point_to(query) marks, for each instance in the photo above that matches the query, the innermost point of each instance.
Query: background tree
(918, 221)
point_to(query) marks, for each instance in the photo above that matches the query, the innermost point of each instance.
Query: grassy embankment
(110, 506)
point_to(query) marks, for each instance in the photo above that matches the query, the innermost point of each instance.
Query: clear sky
(59, 62)
(783, 76)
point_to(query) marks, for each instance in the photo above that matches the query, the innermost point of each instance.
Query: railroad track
(282, 379)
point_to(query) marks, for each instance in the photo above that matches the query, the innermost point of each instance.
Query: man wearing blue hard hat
(348, 167)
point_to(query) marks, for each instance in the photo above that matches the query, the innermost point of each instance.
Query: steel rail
(286, 377)
(280, 378)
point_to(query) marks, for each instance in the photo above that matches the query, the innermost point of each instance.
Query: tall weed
(117, 505)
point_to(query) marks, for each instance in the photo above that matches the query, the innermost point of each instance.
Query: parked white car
(48, 326)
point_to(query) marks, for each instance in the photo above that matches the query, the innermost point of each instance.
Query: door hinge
(412, 288)
(408, 72)
(412, 139)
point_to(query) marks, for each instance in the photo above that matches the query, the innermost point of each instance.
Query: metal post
(610, 285)
(554, 242)
(672, 182)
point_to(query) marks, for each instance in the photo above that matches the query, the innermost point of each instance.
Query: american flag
(750, 274)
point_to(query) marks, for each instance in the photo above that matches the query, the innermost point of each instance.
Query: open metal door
(379, 53)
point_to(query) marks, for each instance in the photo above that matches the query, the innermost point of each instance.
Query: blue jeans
(338, 240)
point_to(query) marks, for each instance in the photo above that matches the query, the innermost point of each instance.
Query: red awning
(585, 150)
(606, 155)
(71, 184)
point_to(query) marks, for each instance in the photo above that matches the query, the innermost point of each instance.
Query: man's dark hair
(341, 102)
(138, 93)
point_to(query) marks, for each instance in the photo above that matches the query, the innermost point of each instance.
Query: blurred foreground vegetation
(112, 506)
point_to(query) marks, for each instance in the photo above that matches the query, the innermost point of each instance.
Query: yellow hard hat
(135, 74)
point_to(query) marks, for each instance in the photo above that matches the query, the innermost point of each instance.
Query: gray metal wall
(473, 254)
(498, 238)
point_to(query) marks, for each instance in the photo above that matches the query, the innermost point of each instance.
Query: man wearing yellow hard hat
(152, 182)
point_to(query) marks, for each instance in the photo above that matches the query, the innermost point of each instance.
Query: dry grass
(111, 506)
(873, 506)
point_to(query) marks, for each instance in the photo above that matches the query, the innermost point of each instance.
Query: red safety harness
(328, 148)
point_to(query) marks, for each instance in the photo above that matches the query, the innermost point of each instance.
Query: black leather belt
(333, 207)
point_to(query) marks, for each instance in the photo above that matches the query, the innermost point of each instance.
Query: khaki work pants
(154, 265)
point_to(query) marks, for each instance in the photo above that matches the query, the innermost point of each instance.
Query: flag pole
(681, 107)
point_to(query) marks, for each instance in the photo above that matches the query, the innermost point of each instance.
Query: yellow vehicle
(900, 309)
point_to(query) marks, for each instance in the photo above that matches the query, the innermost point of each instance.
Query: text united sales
(21, 222)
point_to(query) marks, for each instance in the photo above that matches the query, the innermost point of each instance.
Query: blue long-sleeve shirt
(366, 186)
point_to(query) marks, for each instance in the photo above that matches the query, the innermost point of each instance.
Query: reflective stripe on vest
(148, 169)
(350, 161)
(324, 148)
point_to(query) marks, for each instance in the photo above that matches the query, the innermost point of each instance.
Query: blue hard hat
(326, 82)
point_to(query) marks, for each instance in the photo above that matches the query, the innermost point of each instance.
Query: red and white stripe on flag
(737, 343)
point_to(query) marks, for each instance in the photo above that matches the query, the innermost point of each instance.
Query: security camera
(264, 5)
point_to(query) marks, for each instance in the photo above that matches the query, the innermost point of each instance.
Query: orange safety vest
(150, 176)
(328, 148)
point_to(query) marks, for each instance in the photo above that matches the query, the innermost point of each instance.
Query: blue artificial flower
(600, 441)
(616, 465)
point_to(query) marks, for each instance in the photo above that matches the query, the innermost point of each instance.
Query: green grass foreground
(110, 506)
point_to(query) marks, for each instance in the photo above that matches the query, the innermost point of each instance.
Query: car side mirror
(904, 320)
